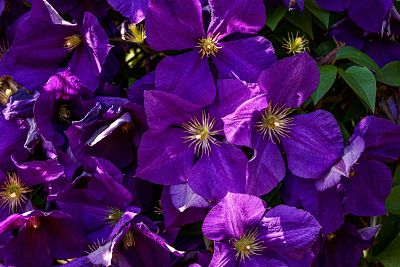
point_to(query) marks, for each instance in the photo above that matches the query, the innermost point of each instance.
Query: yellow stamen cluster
(275, 122)
(208, 46)
(135, 34)
(114, 215)
(8, 87)
(201, 134)
(248, 245)
(64, 113)
(331, 236)
(12, 192)
(34, 222)
(72, 42)
(128, 240)
(295, 45)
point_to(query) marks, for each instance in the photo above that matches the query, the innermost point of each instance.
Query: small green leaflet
(327, 78)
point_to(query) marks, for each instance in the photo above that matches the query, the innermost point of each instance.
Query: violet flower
(312, 142)
(189, 75)
(135, 10)
(245, 234)
(186, 143)
(43, 42)
(357, 184)
(368, 14)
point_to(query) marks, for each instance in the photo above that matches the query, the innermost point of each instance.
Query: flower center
(201, 134)
(13, 192)
(208, 46)
(248, 245)
(275, 123)
(114, 215)
(72, 42)
(330, 237)
(135, 34)
(128, 240)
(8, 87)
(64, 113)
(295, 45)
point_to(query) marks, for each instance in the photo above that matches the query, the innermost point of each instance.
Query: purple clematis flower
(345, 246)
(43, 42)
(368, 14)
(189, 75)
(357, 184)
(246, 235)
(381, 46)
(185, 143)
(312, 142)
(41, 237)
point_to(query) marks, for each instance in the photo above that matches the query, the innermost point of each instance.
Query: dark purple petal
(383, 51)
(314, 144)
(290, 81)
(164, 158)
(223, 255)
(294, 4)
(289, 231)
(232, 216)
(164, 110)
(267, 169)
(225, 170)
(239, 125)
(174, 25)
(381, 137)
(366, 191)
(134, 10)
(244, 59)
(187, 76)
(334, 5)
(348, 32)
(369, 14)
(243, 16)
(183, 197)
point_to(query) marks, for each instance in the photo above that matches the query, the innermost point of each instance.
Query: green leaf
(363, 83)
(393, 201)
(390, 74)
(358, 57)
(274, 16)
(303, 21)
(396, 176)
(327, 78)
(390, 257)
(321, 15)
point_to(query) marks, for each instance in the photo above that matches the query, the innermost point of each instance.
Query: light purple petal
(367, 190)
(352, 153)
(290, 81)
(187, 76)
(164, 158)
(223, 256)
(243, 16)
(239, 125)
(225, 170)
(244, 59)
(314, 144)
(232, 216)
(183, 197)
(174, 25)
(289, 231)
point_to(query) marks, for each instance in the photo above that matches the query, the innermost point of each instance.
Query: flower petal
(174, 25)
(187, 76)
(334, 5)
(244, 59)
(290, 81)
(232, 216)
(244, 16)
(369, 14)
(134, 10)
(314, 144)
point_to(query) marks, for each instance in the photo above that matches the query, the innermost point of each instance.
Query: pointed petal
(369, 14)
